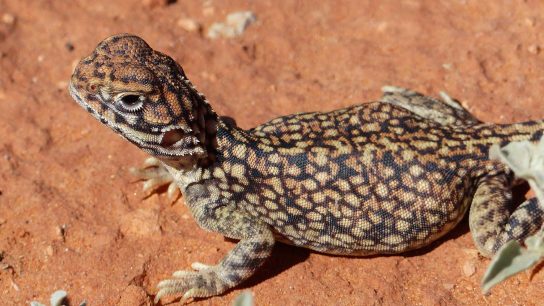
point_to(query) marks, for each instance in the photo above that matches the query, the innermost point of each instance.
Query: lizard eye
(131, 102)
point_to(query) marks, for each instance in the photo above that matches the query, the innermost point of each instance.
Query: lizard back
(367, 179)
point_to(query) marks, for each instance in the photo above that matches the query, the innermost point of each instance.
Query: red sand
(72, 218)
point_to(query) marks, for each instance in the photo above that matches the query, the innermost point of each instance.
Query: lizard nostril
(171, 137)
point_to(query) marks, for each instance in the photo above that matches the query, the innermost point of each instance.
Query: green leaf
(509, 260)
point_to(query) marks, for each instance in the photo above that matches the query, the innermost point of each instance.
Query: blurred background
(72, 218)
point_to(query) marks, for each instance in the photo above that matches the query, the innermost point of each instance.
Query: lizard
(382, 177)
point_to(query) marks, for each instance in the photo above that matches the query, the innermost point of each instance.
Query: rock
(134, 296)
(469, 268)
(140, 223)
(69, 46)
(530, 22)
(235, 24)
(8, 19)
(49, 251)
(448, 286)
(189, 25)
(533, 49)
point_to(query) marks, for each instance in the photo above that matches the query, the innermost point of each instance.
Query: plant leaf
(509, 260)
(244, 299)
(526, 159)
(58, 297)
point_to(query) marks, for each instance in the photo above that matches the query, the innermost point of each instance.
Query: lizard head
(144, 96)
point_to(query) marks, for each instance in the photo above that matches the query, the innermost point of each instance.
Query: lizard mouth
(171, 138)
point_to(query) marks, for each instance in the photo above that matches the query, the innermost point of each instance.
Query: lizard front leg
(255, 246)
(155, 174)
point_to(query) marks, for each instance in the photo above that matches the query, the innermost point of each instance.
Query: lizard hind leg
(447, 111)
(491, 221)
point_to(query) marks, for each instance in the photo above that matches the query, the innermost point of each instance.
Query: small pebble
(140, 223)
(8, 19)
(241, 20)
(447, 66)
(49, 251)
(60, 231)
(448, 286)
(469, 268)
(189, 25)
(235, 25)
(15, 286)
(533, 49)
(530, 21)
(69, 46)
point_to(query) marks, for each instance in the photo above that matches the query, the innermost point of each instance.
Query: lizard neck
(192, 169)
(205, 124)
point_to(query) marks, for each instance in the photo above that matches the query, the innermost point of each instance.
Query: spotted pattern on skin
(382, 177)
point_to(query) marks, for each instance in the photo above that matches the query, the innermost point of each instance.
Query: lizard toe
(155, 175)
(193, 284)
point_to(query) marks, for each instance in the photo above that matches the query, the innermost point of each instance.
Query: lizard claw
(155, 175)
(198, 266)
(203, 282)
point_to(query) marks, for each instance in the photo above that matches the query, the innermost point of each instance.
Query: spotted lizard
(382, 177)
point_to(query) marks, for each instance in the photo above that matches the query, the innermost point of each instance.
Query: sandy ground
(71, 217)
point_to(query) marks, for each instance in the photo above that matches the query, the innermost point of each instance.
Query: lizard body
(382, 177)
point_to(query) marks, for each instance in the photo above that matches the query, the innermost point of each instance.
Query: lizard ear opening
(171, 137)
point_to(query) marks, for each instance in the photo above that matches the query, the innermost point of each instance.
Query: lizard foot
(205, 281)
(155, 175)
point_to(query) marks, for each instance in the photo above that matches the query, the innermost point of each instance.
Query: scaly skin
(382, 177)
